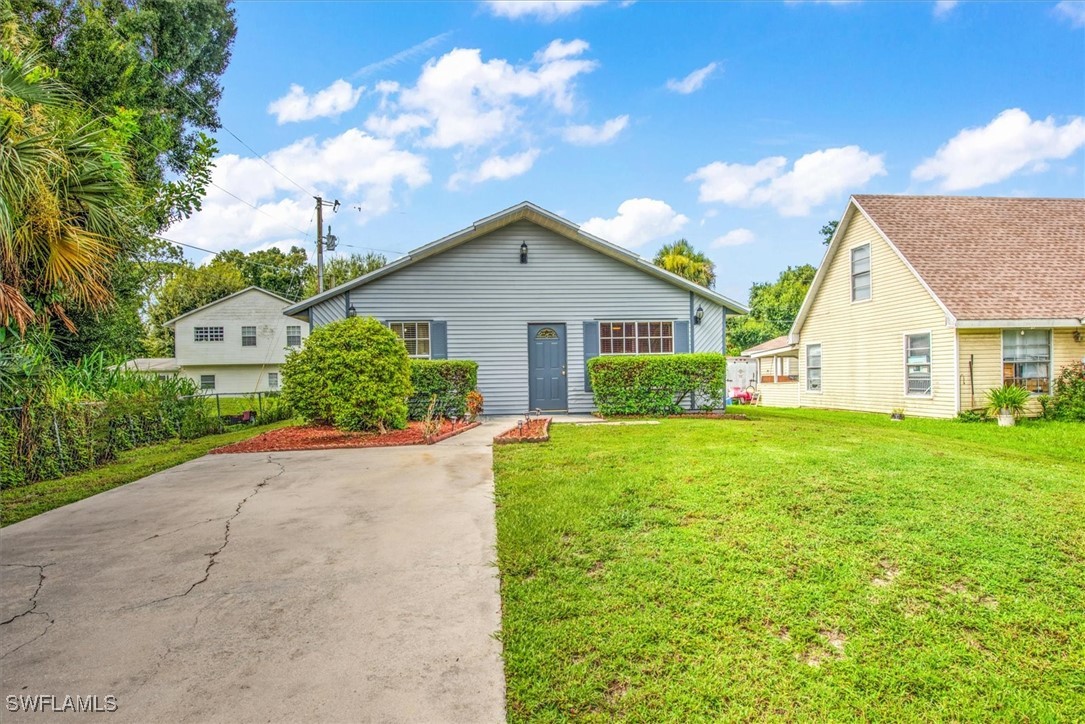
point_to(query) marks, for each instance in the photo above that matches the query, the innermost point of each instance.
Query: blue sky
(742, 127)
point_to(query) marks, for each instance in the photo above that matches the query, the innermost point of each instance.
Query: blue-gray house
(530, 297)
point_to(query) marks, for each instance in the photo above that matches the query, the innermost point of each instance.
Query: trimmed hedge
(449, 379)
(658, 384)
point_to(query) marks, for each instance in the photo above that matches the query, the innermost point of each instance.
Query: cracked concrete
(340, 585)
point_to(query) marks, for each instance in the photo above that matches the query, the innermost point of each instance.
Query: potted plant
(1007, 402)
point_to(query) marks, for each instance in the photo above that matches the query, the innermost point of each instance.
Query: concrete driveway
(340, 585)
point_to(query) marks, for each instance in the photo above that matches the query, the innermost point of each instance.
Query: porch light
(523, 252)
(698, 315)
(351, 311)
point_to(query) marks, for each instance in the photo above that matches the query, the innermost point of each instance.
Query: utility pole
(320, 204)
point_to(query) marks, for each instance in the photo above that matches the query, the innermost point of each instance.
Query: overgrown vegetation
(354, 374)
(1067, 401)
(57, 418)
(806, 565)
(446, 381)
(658, 384)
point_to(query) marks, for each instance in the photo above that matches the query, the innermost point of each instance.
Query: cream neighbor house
(924, 303)
(233, 345)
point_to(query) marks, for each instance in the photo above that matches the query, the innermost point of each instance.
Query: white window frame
(929, 365)
(820, 368)
(869, 272)
(204, 383)
(401, 333)
(210, 334)
(273, 380)
(636, 336)
(245, 336)
(288, 335)
(1050, 354)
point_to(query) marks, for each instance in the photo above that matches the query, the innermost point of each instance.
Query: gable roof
(246, 290)
(524, 211)
(777, 344)
(985, 260)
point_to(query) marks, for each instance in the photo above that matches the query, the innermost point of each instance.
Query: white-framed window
(248, 336)
(415, 336)
(813, 367)
(860, 273)
(207, 382)
(273, 380)
(293, 335)
(636, 337)
(209, 334)
(1026, 359)
(917, 364)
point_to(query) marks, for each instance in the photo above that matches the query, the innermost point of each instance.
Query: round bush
(353, 374)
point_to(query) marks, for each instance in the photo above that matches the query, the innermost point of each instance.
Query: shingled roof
(991, 258)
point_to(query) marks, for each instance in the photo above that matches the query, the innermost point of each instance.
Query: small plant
(973, 416)
(1007, 402)
(897, 414)
(431, 422)
(474, 405)
(1068, 401)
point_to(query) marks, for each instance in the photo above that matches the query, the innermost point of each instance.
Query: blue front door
(546, 360)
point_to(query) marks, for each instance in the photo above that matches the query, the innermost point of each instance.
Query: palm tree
(65, 197)
(682, 259)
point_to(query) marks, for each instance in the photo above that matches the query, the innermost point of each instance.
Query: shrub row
(658, 385)
(450, 380)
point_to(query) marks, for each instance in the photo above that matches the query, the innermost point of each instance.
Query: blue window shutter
(591, 349)
(438, 340)
(681, 337)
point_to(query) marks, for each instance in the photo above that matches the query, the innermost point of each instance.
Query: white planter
(1006, 419)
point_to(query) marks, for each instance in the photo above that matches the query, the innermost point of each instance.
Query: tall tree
(66, 195)
(272, 269)
(773, 307)
(188, 288)
(682, 259)
(341, 269)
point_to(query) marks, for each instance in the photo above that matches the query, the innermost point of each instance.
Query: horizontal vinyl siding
(252, 309)
(234, 378)
(708, 335)
(488, 298)
(328, 311)
(862, 343)
(983, 348)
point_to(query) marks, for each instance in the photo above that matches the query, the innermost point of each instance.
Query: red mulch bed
(535, 430)
(326, 437)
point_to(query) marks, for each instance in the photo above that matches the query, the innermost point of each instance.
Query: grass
(802, 565)
(26, 501)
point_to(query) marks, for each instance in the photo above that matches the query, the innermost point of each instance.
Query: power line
(199, 107)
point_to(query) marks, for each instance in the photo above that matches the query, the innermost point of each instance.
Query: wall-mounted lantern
(523, 252)
(698, 315)
(351, 311)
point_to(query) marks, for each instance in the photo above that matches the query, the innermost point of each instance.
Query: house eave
(776, 352)
(1039, 323)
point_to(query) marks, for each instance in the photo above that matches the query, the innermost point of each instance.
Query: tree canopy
(682, 259)
(773, 307)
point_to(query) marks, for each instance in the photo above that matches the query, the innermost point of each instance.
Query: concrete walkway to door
(332, 586)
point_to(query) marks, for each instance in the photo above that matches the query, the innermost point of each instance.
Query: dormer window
(860, 273)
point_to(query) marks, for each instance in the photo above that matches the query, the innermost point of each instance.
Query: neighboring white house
(531, 298)
(233, 345)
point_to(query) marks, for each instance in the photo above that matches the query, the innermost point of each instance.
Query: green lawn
(29, 500)
(804, 564)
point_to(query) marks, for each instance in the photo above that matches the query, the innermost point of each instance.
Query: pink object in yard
(740, 395)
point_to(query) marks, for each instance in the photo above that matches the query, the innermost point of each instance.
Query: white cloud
(943, 8)
(545, 10)
(461, 100)
(735, 237)
(692, 82)
(497, 168)
(638, 222)
(595, 135)
(1072, 10)
(357, 168)
(391, 126)
(813, 179)
(1012, 142)
(297, 105)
